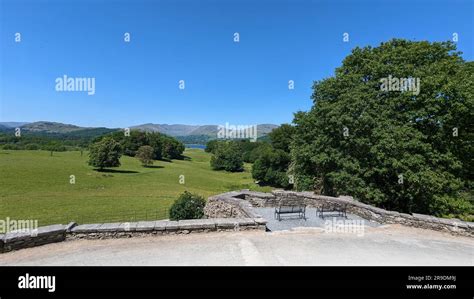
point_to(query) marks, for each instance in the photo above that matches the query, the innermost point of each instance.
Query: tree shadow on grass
(180, 158)
(115, 171)
(154, 166)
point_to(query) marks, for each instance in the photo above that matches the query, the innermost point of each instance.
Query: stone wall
(57, 233)
(24, 239)
(229, 205)
(453, 226)
(163, 227)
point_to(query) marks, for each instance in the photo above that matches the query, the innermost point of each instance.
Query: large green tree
(399, 150)
(105, 153)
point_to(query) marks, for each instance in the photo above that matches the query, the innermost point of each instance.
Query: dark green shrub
(188, 206)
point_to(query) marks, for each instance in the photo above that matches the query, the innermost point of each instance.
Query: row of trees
(33, 142)
(230, 155)
(164, 146)
(107, 150)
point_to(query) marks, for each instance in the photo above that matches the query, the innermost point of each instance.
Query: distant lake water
(200, 146)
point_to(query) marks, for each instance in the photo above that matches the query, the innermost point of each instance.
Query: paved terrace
(384, 245)
(291, 221)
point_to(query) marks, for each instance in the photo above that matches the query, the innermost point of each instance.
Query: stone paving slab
(226, 223)
(312, 220)
(86, 228)
(197, 224)
(160, 225)
(172, 226)
(145, 226)
(127, 227)
(109, 227)
(45, 230)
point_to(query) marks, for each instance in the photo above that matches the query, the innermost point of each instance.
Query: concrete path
(385, 245)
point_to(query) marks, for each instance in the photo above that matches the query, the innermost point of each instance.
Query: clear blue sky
(239, 83)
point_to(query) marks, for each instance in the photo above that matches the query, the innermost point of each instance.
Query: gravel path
(384, 245)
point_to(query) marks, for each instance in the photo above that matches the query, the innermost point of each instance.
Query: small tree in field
(105, 153)
(145, 155)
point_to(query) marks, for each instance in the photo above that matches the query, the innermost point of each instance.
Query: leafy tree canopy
(395, 149)
(282, 136)
(105, 153)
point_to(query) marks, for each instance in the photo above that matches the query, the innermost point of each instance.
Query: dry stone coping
(257, 194)
(160, 225)
(70, 226)
(16, 235)
(145, 226)
(196, 224)
(128, 226)
(171, 226)
(51, 229)
(108, 227)
(86, 228)
(226, 223)
(245, 221)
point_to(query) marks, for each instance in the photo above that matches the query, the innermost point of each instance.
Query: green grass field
(34, 185)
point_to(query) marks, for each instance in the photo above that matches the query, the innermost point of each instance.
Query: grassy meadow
(35, 185)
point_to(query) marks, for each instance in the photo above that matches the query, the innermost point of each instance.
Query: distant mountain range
(186, 132)
(190, 130)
